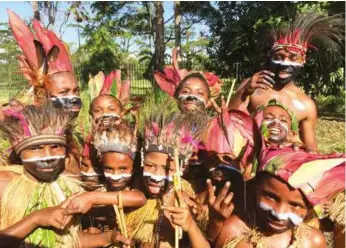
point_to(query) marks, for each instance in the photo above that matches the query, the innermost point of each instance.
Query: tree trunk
(177, 19)
(159, 37)
(36, 10)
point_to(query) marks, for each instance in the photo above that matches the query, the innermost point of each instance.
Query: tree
(159, 37)
(177, 30)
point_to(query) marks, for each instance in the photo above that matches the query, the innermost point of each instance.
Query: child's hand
(57, 217)
(81, 203)
(221, 206)
(119, 240)
(181, 216)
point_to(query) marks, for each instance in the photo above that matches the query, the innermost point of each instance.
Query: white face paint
(295, 219)
(89, 174)
(283, 125)
(158, 178)
(286, 63)
(117, 177)
(36, 159)
(184, 96)
(298, 104)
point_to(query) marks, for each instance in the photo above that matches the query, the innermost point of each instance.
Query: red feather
(24, 38)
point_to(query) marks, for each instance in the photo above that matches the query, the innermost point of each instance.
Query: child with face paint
(34, 195)
(116, 146)
(106, 109)
(309, 31)
(283, 201)
(151, 225)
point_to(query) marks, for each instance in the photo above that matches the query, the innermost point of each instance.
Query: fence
(12, 81)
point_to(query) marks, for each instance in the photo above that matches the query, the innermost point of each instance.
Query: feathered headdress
(101, 84)
(311, 31)
(43, 53)
(116, 138)
(170, 78)
(35, 125)
(166, 132)
(232, 132)
(319, 177)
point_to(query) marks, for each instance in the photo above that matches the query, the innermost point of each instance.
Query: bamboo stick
(230, 92)
(177, 187)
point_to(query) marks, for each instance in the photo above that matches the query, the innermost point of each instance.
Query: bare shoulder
(313, 238)
(232, 228)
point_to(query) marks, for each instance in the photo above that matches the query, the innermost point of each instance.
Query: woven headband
(43, 139)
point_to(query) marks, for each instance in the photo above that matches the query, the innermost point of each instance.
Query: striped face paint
(89, 174)
(276, 121)
(43, 159)
(45, 168)
(157, 178)
(117, 177)
(190, 97)
(287, 63)
(295, 219)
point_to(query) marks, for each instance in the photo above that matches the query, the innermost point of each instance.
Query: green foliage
(239, 34)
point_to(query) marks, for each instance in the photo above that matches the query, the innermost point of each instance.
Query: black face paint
(281, 66)
(163, 182)
(67, 102)
(45, 168)
(198, 101)
(107, 119)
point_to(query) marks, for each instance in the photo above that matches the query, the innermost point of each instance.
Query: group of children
(188, 171)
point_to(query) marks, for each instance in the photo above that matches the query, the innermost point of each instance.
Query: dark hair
(185, 79)
(116, 99)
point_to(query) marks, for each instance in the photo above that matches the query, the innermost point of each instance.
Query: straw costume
(163, 133)
(32, 127)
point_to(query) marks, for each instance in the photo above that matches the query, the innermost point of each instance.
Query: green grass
(330, 134)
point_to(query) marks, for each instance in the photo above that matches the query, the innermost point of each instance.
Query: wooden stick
(122, 215)
(177, 187)
(120, 218)
(230, 92)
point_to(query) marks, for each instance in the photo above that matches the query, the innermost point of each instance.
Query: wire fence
(12, 81)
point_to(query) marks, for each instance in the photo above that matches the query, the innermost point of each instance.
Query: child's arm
(182, 217)
(55, 217)
(87, 240)
(86, 201)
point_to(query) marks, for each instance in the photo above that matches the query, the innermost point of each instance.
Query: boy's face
(193, 95)
(44, 162)
(88, 173)
(279, 206)
(158, 172)
(278, 124)
(106, 109)
(117, 168)
(64, 91)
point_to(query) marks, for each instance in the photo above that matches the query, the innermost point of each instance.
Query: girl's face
(117, 168)
(106, 109)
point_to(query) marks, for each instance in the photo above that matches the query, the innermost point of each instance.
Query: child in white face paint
(116, 145)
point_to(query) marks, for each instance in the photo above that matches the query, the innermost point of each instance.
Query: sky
(70, 34)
